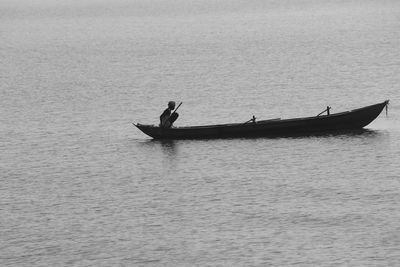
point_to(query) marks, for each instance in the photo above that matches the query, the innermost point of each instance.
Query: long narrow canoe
(348, 120)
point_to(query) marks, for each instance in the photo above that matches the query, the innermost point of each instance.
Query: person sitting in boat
(167, 118)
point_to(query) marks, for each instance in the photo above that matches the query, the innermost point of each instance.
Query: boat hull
(349, 120)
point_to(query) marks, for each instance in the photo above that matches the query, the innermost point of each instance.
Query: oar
(177, 108)
(252, 119)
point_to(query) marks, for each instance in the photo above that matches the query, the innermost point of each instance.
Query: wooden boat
(348, 120)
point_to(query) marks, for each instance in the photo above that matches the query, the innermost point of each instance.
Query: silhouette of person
(167, 118)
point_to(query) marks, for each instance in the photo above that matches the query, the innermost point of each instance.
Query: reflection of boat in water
(348, 120)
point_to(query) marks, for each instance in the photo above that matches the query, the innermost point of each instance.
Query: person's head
(171, 105)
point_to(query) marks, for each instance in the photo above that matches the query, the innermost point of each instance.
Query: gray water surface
(80, 186)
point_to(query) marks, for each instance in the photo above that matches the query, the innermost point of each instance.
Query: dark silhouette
(168, 117)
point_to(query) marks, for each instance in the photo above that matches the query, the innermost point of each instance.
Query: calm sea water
(80, 186)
